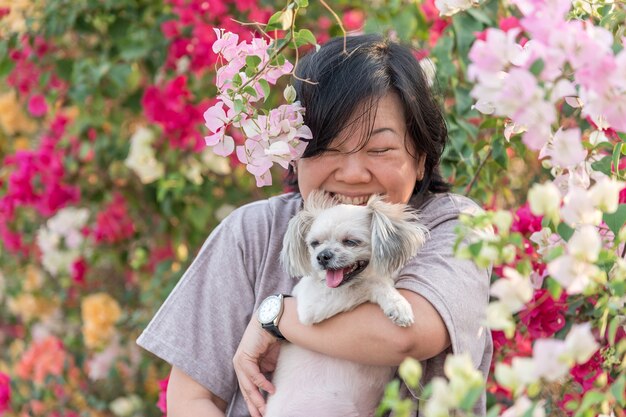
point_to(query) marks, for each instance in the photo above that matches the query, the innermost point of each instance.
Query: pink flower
(162, 403)
(113, 223)
(5, 393)
(37, 105)
(42, 359)
(353, 20)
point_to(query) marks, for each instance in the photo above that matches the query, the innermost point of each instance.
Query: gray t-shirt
(199, 326)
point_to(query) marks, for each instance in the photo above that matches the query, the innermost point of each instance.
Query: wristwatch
(270, 312)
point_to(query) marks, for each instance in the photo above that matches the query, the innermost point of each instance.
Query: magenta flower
(37, 105)
(5, 393)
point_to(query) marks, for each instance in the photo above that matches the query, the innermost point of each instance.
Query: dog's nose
(324, 256)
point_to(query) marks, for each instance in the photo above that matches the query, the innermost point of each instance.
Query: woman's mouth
(356, 201)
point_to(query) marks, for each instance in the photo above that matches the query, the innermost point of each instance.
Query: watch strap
(272, 327)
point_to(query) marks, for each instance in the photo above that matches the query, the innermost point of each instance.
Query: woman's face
(382, 166)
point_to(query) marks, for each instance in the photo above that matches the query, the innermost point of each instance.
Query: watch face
(269, 309)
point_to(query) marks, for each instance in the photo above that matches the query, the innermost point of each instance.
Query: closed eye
(351, 242)
(379, 151)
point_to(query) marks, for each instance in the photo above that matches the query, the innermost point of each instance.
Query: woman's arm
(367, 336)
(187, 398)
(363, 335)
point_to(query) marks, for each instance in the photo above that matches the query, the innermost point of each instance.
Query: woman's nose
(353, 170)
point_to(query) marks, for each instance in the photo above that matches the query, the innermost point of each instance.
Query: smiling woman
(376, 130)
(353, 171)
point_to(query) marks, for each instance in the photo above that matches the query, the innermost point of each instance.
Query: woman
(376, 130)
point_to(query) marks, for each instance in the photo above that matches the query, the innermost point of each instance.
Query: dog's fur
(325, 236)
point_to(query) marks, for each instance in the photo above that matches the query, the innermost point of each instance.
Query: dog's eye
(351, 242)
(314, 243)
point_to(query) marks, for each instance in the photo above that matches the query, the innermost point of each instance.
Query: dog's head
(340, 241)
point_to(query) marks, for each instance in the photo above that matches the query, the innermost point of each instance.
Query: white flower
(574, 275)
(585, 243)
(429, 70)
(605, 194)
(68, 218)
(567, 149)
(450, 7)
(126, 406)
(545, 240)
(141, 158)
(499, 317)
(522, 406)
(580, 344)
(518, 375)
(216, 164)
(513, 290)
(578, 208)
(549, 361)
(544, 199)
(289, 93)
(440, 401)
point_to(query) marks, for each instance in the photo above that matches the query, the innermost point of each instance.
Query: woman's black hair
(351, 81)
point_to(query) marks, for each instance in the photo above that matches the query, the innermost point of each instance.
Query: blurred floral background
(107, 188)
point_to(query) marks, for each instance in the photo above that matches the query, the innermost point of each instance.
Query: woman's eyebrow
(383, 129)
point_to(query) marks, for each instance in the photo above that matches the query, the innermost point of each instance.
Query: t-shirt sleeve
(457, 289)
(199, 326)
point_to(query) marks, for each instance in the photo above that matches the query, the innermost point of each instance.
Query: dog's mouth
(337, 277)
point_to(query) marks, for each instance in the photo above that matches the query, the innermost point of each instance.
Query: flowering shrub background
(107, 186)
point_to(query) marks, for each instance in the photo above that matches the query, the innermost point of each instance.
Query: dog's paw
(400, 313)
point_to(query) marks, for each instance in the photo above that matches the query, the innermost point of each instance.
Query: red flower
(525, 222)
(113, 223)
(585, 374)
(543, 316)
(79, 269)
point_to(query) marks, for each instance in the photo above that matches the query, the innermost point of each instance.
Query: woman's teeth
(357, 201)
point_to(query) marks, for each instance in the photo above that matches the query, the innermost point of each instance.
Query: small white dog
(346, 255)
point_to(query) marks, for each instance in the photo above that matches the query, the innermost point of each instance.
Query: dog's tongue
(334, 277)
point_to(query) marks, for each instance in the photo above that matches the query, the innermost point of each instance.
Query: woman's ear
(421, 166)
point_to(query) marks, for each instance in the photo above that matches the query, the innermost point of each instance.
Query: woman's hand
(257, 353)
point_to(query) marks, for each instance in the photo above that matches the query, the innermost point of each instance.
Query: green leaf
(467, 403)
(617, 153)
(537, 67)
(616, 220)
(274, 22)
(480, 16)
(475, 248)
(603, 165)
(499, 153)
(591, 398)
(618, 389)
(302, 3)
(252, 61)
(304, 36)
(554, 288)
(564, 231)
(494, 411)
(613, 326)
(265, 87)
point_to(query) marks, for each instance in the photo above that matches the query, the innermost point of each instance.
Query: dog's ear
(397, 235)
(294, 256)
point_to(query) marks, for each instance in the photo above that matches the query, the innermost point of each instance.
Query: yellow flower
(29, 306)
(100, 312)
(12, 116)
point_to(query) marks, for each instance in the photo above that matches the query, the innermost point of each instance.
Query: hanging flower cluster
(245, 78)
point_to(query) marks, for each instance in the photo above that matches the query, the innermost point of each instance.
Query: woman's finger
(252, 396)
